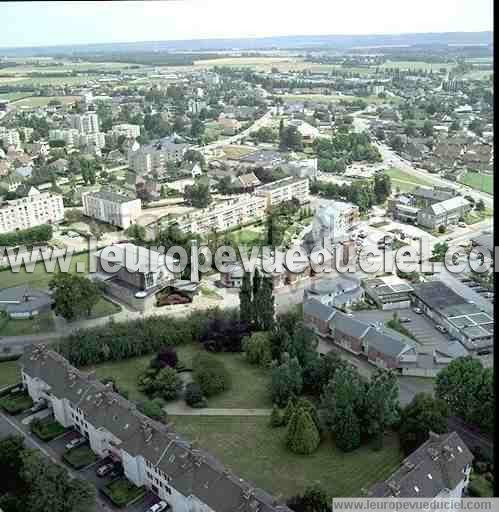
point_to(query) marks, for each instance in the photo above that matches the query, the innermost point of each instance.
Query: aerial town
(235, 389)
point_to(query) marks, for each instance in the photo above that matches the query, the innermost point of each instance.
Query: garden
(46, 429)
(122, 493)
(16, 403)
(80, 457)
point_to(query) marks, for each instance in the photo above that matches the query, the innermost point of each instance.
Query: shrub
(210, 374)
(153, 409)
(194, 396)
(276, 419)
(302, 436)
(167, 357)
(258, 349)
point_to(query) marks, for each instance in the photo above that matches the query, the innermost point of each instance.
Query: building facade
(284, 190)
(35, 209)
(112, 208)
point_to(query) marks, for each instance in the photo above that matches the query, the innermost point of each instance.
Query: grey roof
(448, 205)
(349, 325)
(319, 310)
(437, 295)
(21, 299)
(485, 241)
(387, 343)
(111, 196)
(436, 465)
(280, 183)
(191, 471)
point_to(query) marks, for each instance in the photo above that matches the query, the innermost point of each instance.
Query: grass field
(12, 96)
(104, 307)
(427, 66)
(333, 98)
(256, 452)
(42, 101)
(483, 182)
(405, 181)
(39, 278)
(42, 323)
(9, 373)
(235, 151)
(248, 237)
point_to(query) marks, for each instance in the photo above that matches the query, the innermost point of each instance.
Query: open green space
(39, 277)
(122, 492)
(43, 101)
(404, 180)
(480, 487)
(426, 66)
(249, 237)
(44, 322)
(80, 457)
(9, 373)
(16, 403)
(328, 98)
(104, 307)
(12, 96)
(256, 452)
(480, 181)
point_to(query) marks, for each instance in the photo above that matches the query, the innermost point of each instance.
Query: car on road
(158, 507)
(405, 320)
(105, 469)
(418, 311)
(461, 224)
(441, 328)
(74, 443)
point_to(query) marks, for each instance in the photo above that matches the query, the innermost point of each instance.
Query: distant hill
(340, 42)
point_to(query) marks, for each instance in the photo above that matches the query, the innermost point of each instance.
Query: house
(24, 171)
(308, 132)
(341, 291)
(440, 468)
(155, 157)
(317, 315)
(306, 168)
(389, 292)
(152, 454)
(426, 196)
(444, 213)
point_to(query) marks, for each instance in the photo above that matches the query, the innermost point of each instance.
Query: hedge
(33, 235)
(210, 374)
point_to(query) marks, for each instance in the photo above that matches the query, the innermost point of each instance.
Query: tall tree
(245, 299)
(314, 499)
(264, 305)
(302, 436)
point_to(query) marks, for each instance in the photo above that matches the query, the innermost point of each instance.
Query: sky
(58, 23)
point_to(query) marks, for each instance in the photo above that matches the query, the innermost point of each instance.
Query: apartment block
(131, 131)
(85, 123)
(71, 136)
(284, 190)
(35, 209)
(226, 215)
(10, 137)
(112, 208)
(155, 157)
(152, 454)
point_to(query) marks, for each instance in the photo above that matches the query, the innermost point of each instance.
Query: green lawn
(80, 457)
(41, 323)
(47, 429)
(248, 237)
(427, 66)
(9, 373)
(104, 307)
(256, 452)
(122, 492)
(16, 403)
(43, 101)
(39, 278)
(483, 182)
(405, 181)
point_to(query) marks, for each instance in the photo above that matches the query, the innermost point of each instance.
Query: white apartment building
(96, 139)
(35, 209)
(152, 454)
(131, 131)
(85, 123)
(71, 136)
(226, 215)
(112, 208)
(154, 157)
(333, 220)
(10, 137)
(284, 190)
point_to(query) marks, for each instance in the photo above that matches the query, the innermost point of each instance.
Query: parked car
(418, 311)
(105, 469)
(405, 320)
(473, 285)
(74, 443)
(39, 406)
(441, 328)
(461, 224)
(159, 507)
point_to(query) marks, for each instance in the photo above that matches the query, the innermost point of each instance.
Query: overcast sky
(54, 23)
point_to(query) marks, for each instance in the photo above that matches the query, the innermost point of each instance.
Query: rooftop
(111, 196)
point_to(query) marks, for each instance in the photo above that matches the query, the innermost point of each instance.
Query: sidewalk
(180, 408)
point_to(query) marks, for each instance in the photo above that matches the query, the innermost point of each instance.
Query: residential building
(283, 190)
(340, 291)
(440, 468)
(333, 220)
(130, 131)
(35, 209)
(97, 140)
(229, 126)
(444, 213)
(70, 136)
(155, 157)
(423, 197)
(10, 137)
(248, 181)
(308, 132)
(223, 216)
(306, 168)
(112, 208)
(85, 123)
(464, 321)
(151, 453)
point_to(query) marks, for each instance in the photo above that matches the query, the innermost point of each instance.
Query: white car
(158, 507)
(74, 443)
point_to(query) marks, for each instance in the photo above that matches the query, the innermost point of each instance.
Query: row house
(152, 454)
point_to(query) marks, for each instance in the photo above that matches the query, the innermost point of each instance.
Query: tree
(210, 374)
(246, 299)
(382, 187)
(410, 129)
(51, 489)
(302, 436)
(439, 251)
(442, 229)
(258, 349)
(136, 232)
(314, 499)
(194, 395)
(480, 206)
(198, 195)
(423, 415)
(467, 389)
(382, 403)
(276, 419)
(427, 129)
(73, 295)
(264, 305)
(291, 139)
(153, 409)
(11, 448)
(455, 126)
(167, 384)
(286, 382)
